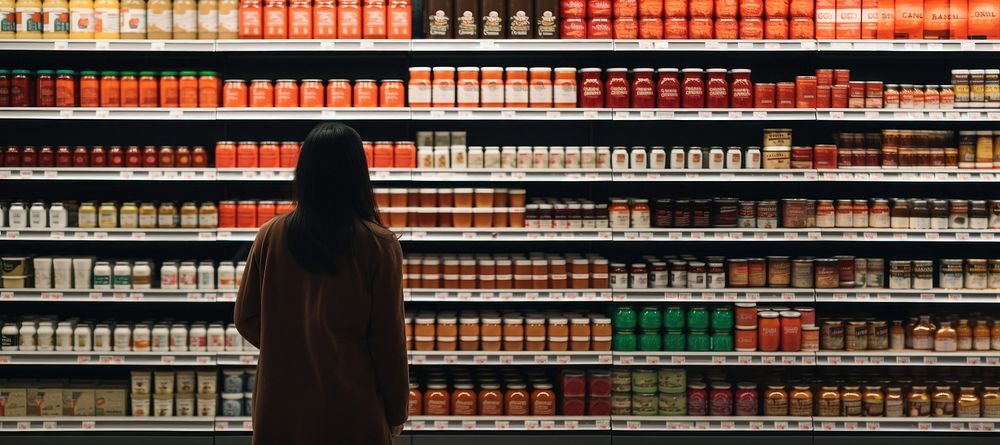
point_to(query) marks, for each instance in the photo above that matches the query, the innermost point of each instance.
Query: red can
(81, 158)
(873, 89)
(785, 97)
(805, 92)
(841, 76)
(227, 214)
(46, 157)
(265, 211)
(64, 157)
(650, 28)
(825, 156)
(668, 94)
(746, 338)
(856, 90)
(824, 77)
(573, 28)
(675, 28)
(746, 399)
(289, 156)
(246, 215)
(246, 154)
(746, 315)
(643, 88)
(838, 96)
(807, 315)
(764, 95)
(225, 154)
(802, 157)
(823, 96)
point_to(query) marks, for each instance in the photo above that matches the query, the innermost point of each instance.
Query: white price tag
(450, 359)
(468, 425)
(736, 115)
(167, 360)
(626, 360)
(930, 360)
(541, 359)
(604, 359)
(563, 359)
(506, 359)
(652, 359)
(704, 114)
(633, 425)
(744, 359)
(850, 426)
(479, 359)
(718, 360)
(247, 359)
(501, 424)
(88, 425)
(440, 424)
(23, 426)
(833, 360)
(768, 360)
(418, 359)
(791, 235)
(760, 115)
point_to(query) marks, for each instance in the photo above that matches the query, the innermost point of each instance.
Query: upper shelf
(477, 45)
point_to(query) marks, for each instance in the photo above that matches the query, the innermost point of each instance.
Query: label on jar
(619, 219)
(516, 93)
(419, 94)
(564, 93)
(81, 20)
(638, 281)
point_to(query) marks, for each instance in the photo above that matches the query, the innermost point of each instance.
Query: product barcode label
(718, 360)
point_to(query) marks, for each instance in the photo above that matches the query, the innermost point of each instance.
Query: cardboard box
(886, 19)
(869, 19)
(958, 25)
(13, 401)
(48, 400)
(984, 19)
(848, 19)
(937, 19)
(826, 19)
(109, 401)
(78, 401)
(909, 19)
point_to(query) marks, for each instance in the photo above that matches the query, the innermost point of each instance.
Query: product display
(48, 334)
(508, 331)
(148, 89)
(87, 273)
(499, 271)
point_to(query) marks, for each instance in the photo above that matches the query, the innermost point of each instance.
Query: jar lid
(767, 314)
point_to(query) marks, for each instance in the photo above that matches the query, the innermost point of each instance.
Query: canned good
(746, 338)
(621, 404)
(747, 215)
(644, 381)
(673, 404)
(856, 336)
(621, 380)
(845, 270)
(832, 335)
(645, 404)
(875, 272)
(767, 214)
(802, 273)
(993, 280)
(827, 273)
(739, 272)
(923, 274)
(672, 380)
(878, 335)
(779, 271)
(721, 341)
(860, 272)
(900, 272)
(777, 137)
(793, 213)
(810, 338)
(976, 274)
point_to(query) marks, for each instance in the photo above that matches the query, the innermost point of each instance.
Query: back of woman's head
(333, 194)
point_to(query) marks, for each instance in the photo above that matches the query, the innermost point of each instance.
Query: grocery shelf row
(521, 234)
(533, 358)
(431, 45)
(506, 114)
(560, 423)
(763, 295)
(520, 175)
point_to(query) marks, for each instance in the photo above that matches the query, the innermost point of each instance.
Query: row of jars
(68, 88)
(918, 148)
(145, 215)
(923, 333)
(508, 331)
(677, 392)
(976, 88)
(90, 273)
(509, 392)
(49, 334)
(312, 93)
(505, 271)
(132, 156)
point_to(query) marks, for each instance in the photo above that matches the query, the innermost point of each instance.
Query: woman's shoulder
(378, 231)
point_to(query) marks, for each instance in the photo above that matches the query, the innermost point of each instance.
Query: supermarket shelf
(108, 174)
(235, 234)
(108, 358)
(121, 295)
(108, 234)
(907, 175)
(716, 114)
(258, 174)
(686, 175)
(908, 358)
(907, 424)
(508, 423)
(712, 423)
(108, 45)
(237, 358)
(908, 45)
(509, 174)
(311, 45)
(109, 113)
(505, 295)
(813, 234)
(713, 295)
(715, 358)
(864, 114)
(715, 45)
(499, 234)
(311, 113)
(875, 295)
(97, 424)
(510, 358)
(568, 114)
(511, 45)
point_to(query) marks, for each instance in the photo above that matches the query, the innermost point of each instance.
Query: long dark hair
(333, 194)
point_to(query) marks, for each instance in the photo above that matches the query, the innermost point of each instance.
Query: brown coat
(332, 367)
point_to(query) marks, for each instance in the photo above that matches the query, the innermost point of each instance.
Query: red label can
(838, 96)
(785, 97)
(676, 28)
(805, 92)
(764, 95)
(841, 77)
(823, 96)
(825, 156)
(802, 157)
(776, 28)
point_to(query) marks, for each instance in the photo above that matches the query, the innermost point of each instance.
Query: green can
(722, 319)
(650, 318)
(722, 341)
(625, 341)
(697, 341)
(621, 380)
(673, 340)
(674, 318)
(625, 318)
(697, 318)
(673, 404)
(644, 404)
(650, 341)
(644, 380)
(672, 380)
(621, 404)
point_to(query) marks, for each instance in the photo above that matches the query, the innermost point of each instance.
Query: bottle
(208, 19)
(695, 158)
(168, 275)
(946, 339)
(159, 20)
(716, 158)
(102, 275)
(187, 276)
(133, 19)
(58, 216)
(45, 335)
(141, 338)
(82, 338)
(752, 158)
(122, 338)
(160, 338)
(240, 267)
(981, 336)
(142, 275)
(216, 338)
(178, 338)
(476, 157)
(17, 216)
(227, 275)
(206, 275)
(963, 333)
(122, 275)
(734, 158)
(185, 19)
(922, 336)
(27, 336)
(102, 338)
(234, 340)
(8, 21)
(64, 336)
(28, 19)
(81, 19)
(897, 336)
(229, 19)
(37, 216)
(107, 19)
(658, 158)
(55, 19)
(197, 341)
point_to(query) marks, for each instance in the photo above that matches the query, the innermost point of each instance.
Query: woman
(322, 299)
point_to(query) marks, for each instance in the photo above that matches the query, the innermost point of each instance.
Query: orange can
(365, 93)
(338, 93)
(311, 93)
(369, 153)
(227, 214)
(286, 93)
(261, 94)
(246, 154)
(726, 9)
(234, 94)
(649, 8)
(802, 9)
(269, 155)
(392, 94)
(467, 88)
(746, 338)
(374, 19)
(246, 214)
(208, 89)
(265, 211)
(289, 154)
(324, 19)
(776, 8)
(516, 88)
(349, 20)
(805, 92)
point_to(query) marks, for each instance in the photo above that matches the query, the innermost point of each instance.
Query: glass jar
(968, 402)
(717, 89)
(775, 401)
(741, 89)
(894, 402)
(617, 88)
(591, 88)
(918, 402)
(828, 404)
(800, 401)
(873, 402)
(643, 88)
(667, 88)
(693, 89)
(943, 402)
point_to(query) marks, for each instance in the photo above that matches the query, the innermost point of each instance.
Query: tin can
(779, 271)
(621, 404)
(827, 273)
(875, 272)
(856, 336)
(644, 380)
(747, 215)
(767, 214)
(860, 272)
(802, 273)
(838, 96)
(746, 315)
(810, 338)
(976, 275)
(832, 335)
(764, 95)
(672, 404)
(805, 92)
(878, 335)
(785, 96)
(621, 380)
(746, 338)
(923, 274)
(841, 76)
(793, 213)
(900, 272)
(845, 270)
(645, 404)
(739, 272)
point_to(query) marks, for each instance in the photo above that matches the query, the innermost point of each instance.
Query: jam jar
(617, 88)
(643, 88)
(591, 88)
(668, 93)
(717, 89)
(693, 88)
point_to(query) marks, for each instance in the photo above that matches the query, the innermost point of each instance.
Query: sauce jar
(694, 88)
(617, 88)
(643, 89)
(717, 89)
(261, 94)
(667, 89)
(746, 399)
(591, 88)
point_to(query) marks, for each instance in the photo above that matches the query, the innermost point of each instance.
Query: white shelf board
(710, 423)
(312, 113)
(714, 358)
(506, 174)
(255, 174)
(176, 114)
(108, 174)
(879, 295)
(906, 115)
(811, 234)
(907, 358)
(451, 45)
(768, 295)
(173, 358)
(463, 358)
(569, 114)
(706, 175)
(909, 45)
(74, 234)
(114, 295)
(506, 234)
(715, 45)
(109, 424)
(107, 45)
(506, 295)
(864, 174)
(906, 424)
(714, 114)
(508, 423)
(312, 45)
